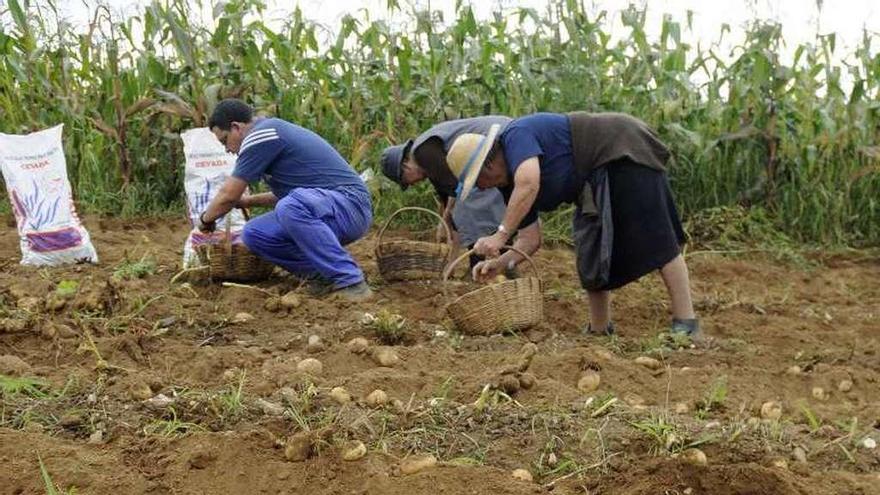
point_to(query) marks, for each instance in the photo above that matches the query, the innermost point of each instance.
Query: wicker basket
(402, 260)
(232, 262)
(506, 306)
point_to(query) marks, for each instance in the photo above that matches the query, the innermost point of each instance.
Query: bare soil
(146, 386)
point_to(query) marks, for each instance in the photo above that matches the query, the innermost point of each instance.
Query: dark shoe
(609, 330)
(685, 326)
(358, 292)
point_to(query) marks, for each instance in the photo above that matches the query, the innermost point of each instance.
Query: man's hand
(206, 227)
(487, 270)
(490, 246)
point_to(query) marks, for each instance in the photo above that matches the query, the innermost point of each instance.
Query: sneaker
(358, 292)
(609, 330)
(685, 326)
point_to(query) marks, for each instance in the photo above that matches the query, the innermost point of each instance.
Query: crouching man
(320, 203)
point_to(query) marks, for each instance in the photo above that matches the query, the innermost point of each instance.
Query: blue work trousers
(306, 232)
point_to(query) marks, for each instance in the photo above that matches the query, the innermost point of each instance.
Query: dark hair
(228, 111)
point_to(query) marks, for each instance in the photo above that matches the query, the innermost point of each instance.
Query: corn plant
(747, 128)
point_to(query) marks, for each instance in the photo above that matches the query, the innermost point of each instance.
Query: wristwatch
(503, 229)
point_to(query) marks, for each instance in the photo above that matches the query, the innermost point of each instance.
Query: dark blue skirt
(647, 232)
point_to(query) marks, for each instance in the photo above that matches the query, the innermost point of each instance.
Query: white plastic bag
(207, 166)
(36, 180)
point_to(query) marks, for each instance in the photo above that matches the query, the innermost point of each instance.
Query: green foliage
(11, 387)
(67, 288)
(389, 327)
(714, 399)
(786, 138)
(130, 270)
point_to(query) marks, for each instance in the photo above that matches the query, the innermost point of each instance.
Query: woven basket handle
(450, 267)
(414, 208)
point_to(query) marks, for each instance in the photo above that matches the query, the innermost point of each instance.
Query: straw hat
(467, 156)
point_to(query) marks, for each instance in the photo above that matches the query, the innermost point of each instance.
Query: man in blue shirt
(612, 167)
(320, 203)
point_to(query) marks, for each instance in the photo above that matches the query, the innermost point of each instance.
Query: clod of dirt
(13, 325)
(682, 408)
(524, 360)
(315, 345)
(340, 396)
(695, 457)
(377, 398)
(269, 408)
(522, 475)
(794, 370)
(55, 303)
(70, 420)
(771, 410)
(799, 454)
(353, 450)
(291, 300)
(845, 385)
(96, 437)
(310, 365)
(386, 357)
(414, 464)
(13, 365)
(202, 459)
(552, 460)
(358, 345)
(273, 304)
(589, 381)
(648, 362)
(508, 384)
(819, 393)
(527, 381)
(299, 447)
(30, 304)
(140, 391)
(240, 318)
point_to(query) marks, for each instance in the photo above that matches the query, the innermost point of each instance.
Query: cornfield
(789, 138)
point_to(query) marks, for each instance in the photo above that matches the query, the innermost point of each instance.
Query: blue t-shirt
(288, 156)
(548, 137)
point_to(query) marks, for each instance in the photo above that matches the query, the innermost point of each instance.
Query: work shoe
(358, 292)
(689, 327)
(609, 330)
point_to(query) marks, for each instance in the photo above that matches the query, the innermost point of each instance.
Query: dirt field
(143, 386)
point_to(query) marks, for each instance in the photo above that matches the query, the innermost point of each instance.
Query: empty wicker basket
(405, 260)
(506, 306)
(228, 261)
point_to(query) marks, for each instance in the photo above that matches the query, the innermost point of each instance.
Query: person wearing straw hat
(612, 167)
(425, 158)
(320, 203)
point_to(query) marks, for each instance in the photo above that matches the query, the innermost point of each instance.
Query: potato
(522, 475)
(589, 381)
(771, 410)
(353, 450)
(340, 396)
(377, 398)
(648, 362)
(386, 357)
(311, 366)
(414, 464)
(299, 447)
(695, 457)
(358, 345)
